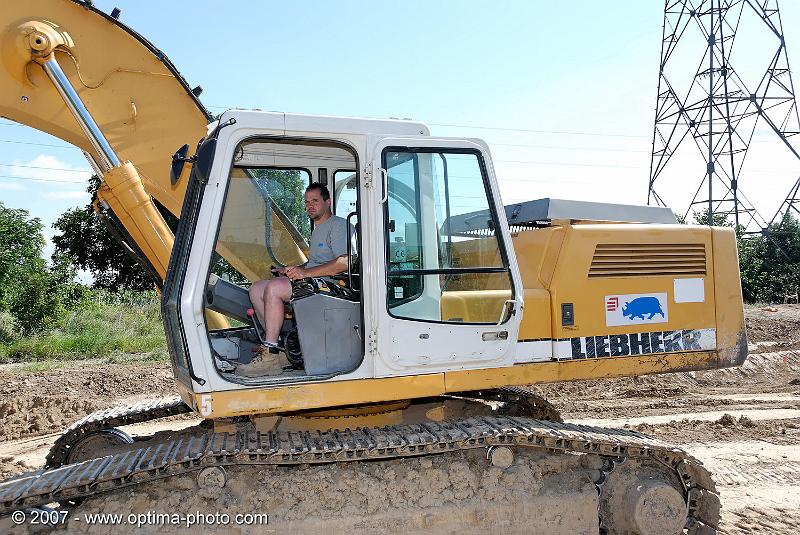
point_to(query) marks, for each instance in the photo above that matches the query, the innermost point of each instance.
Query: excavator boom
(128, 111)
(139, 100)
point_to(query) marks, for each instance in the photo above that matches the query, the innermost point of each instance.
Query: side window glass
(284, 188)
(464, 218)
(263, 222)
(405, 247)
(344, 192)
(444, 259)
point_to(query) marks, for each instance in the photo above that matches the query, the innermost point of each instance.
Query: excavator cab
(430, 260)
(263, 225)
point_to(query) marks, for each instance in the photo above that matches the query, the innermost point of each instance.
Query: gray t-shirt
(328, 241)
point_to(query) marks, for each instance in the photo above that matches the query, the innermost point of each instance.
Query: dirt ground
(743, 423)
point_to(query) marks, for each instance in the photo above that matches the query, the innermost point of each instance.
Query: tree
(717, 219)
(770, 263)
(32, 293)
(285, 188)
(21, 243)
(86, 241)
(88, 244)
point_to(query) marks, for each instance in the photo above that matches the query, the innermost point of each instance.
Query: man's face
(316, 206)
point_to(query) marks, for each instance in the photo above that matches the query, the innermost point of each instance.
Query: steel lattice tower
(710, 118)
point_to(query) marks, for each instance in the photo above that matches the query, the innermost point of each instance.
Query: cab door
(447, 289)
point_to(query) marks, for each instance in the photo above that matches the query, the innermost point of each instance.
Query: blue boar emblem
(641, 306)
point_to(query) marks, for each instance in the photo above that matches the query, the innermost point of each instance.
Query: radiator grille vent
(645, 259)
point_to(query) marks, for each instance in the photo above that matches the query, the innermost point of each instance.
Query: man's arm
(334, 267)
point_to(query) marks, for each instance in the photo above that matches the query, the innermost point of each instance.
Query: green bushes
(33, 293)
(105, 324)
(45, 315)
(770, 263)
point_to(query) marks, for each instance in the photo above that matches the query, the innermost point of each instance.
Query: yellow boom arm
(79, 74)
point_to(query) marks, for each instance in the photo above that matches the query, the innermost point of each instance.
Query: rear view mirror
(179, 159)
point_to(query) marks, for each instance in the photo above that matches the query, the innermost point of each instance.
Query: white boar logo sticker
(636, 309)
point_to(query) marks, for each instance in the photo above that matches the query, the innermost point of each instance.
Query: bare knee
(279, 288)
(257, 289)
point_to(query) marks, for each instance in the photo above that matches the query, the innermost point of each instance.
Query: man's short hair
(323, 190)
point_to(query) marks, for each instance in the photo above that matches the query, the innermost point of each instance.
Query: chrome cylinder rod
(106, 154)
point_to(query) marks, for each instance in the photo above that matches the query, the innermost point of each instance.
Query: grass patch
(44, 366)
(158, 355)
(40, 366)
(104, 326)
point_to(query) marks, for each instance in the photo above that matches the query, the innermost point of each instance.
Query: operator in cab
(327, 256)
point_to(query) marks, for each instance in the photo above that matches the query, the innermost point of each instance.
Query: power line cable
(520, 145)
(476, 127)
(38, 144)
(531, 180)
(565, 147)
(44, 179)
(565, 132)
(64, 169)
(567, 164)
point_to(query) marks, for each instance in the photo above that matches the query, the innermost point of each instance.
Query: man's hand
(296, 273)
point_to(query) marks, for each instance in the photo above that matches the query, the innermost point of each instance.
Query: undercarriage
(566, 478)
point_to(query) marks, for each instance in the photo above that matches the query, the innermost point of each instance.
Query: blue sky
(564, 93)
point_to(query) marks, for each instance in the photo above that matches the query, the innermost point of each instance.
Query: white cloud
(11, 186)
(48, 171)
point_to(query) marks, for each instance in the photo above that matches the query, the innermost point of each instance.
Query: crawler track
(192, 451)
(144, 411)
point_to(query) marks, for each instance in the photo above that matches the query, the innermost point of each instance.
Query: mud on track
(450, 493)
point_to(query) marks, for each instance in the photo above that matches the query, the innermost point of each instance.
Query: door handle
(385, 181)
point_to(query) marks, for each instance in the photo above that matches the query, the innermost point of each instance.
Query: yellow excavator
(451, 305)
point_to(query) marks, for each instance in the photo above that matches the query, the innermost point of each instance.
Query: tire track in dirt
(758, 482)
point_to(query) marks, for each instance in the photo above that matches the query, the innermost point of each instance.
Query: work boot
(263, 363)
